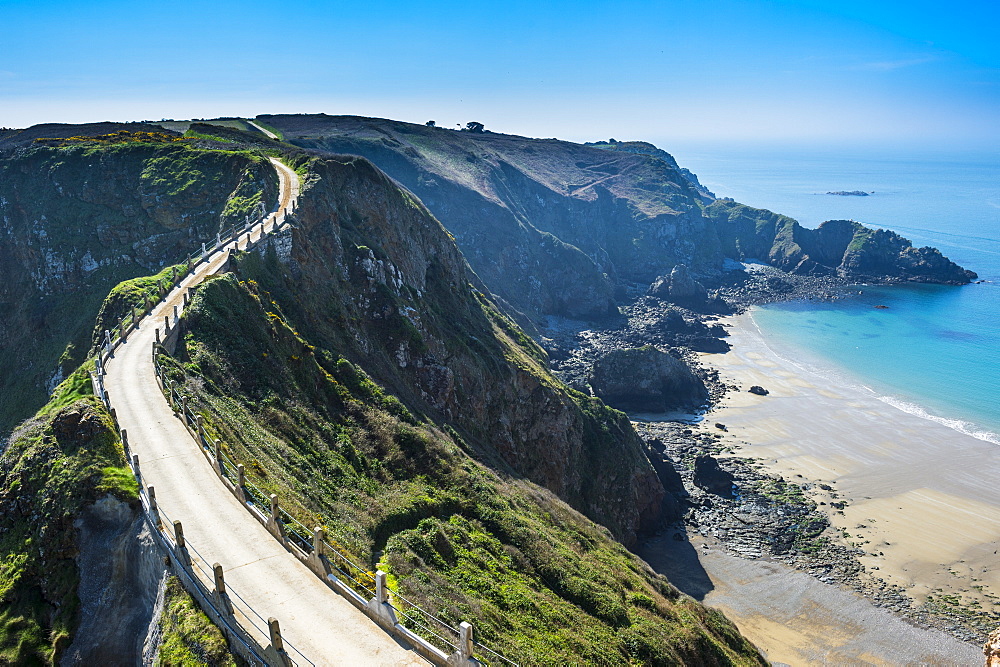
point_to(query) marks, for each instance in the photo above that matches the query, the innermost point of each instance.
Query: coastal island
(851, 193)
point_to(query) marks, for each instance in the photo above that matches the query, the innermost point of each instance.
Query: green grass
(189, 637)
(191, 134)
(106, 203)
(862, 236)
(59, 462)
(133, 293)
(542, 583)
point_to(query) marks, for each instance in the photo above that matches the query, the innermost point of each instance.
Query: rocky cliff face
(56, 465)
(550, 226)
(838, 247)
(77, 220)
(559, 228)
(380, 281)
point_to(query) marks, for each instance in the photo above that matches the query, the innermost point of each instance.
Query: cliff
(557, 228)
(357, 369)
(837, 247)
(370, 275)
(79, 576)
(353, 364)
(77, 219)
(550, 226)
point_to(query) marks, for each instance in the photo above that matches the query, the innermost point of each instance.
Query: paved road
(266, 132)
(315, 620)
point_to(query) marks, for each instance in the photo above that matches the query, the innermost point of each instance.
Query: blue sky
(691, 71)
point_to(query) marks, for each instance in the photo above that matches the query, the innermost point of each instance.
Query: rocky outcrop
(673, 485)
(56, 467)
(646, 380)
(991, 649)
(710, 477)
(379, 280)
(841, 248)
(680, 288)
(121, 570)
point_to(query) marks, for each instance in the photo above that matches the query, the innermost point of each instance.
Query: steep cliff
(79, 574)
(550, 226)
(369, 275)
(57, 464)
(560, 228)
(351, 363)
(837, 247)
(77, 219)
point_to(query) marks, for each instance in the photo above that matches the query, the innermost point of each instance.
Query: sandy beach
(923, 500)
(795, 618)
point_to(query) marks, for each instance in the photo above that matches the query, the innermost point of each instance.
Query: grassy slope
(543, 584)
(189, 638)
(131, 206)
(468, 158)
(57, 463)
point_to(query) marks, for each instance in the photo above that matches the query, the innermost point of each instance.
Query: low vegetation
(85, 215)
(57, 464)
(542, 583)
(188, 637)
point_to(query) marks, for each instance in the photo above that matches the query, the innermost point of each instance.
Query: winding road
(317, 622)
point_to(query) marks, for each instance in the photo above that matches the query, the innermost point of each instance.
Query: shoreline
(921, 500)
(793, 617)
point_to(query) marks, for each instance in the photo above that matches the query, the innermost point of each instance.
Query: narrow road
(320, 624)
(268, 133)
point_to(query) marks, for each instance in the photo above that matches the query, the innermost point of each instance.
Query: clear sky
(674, 71)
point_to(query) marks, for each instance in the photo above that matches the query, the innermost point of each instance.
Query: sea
(934, 351)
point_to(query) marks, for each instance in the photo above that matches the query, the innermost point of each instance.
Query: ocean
(935, 350)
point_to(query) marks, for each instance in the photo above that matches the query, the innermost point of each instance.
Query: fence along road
(318, 623)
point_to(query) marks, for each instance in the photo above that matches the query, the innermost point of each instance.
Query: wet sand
(923, 500)
(796, 619)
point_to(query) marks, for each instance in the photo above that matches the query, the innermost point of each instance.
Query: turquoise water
(935, 350)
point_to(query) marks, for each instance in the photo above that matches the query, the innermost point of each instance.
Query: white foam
(967, 428)
(832, 373)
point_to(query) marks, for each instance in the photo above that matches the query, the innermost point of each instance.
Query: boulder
(646, 379)
(710, 477)
(679, 287)
(759, 390)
